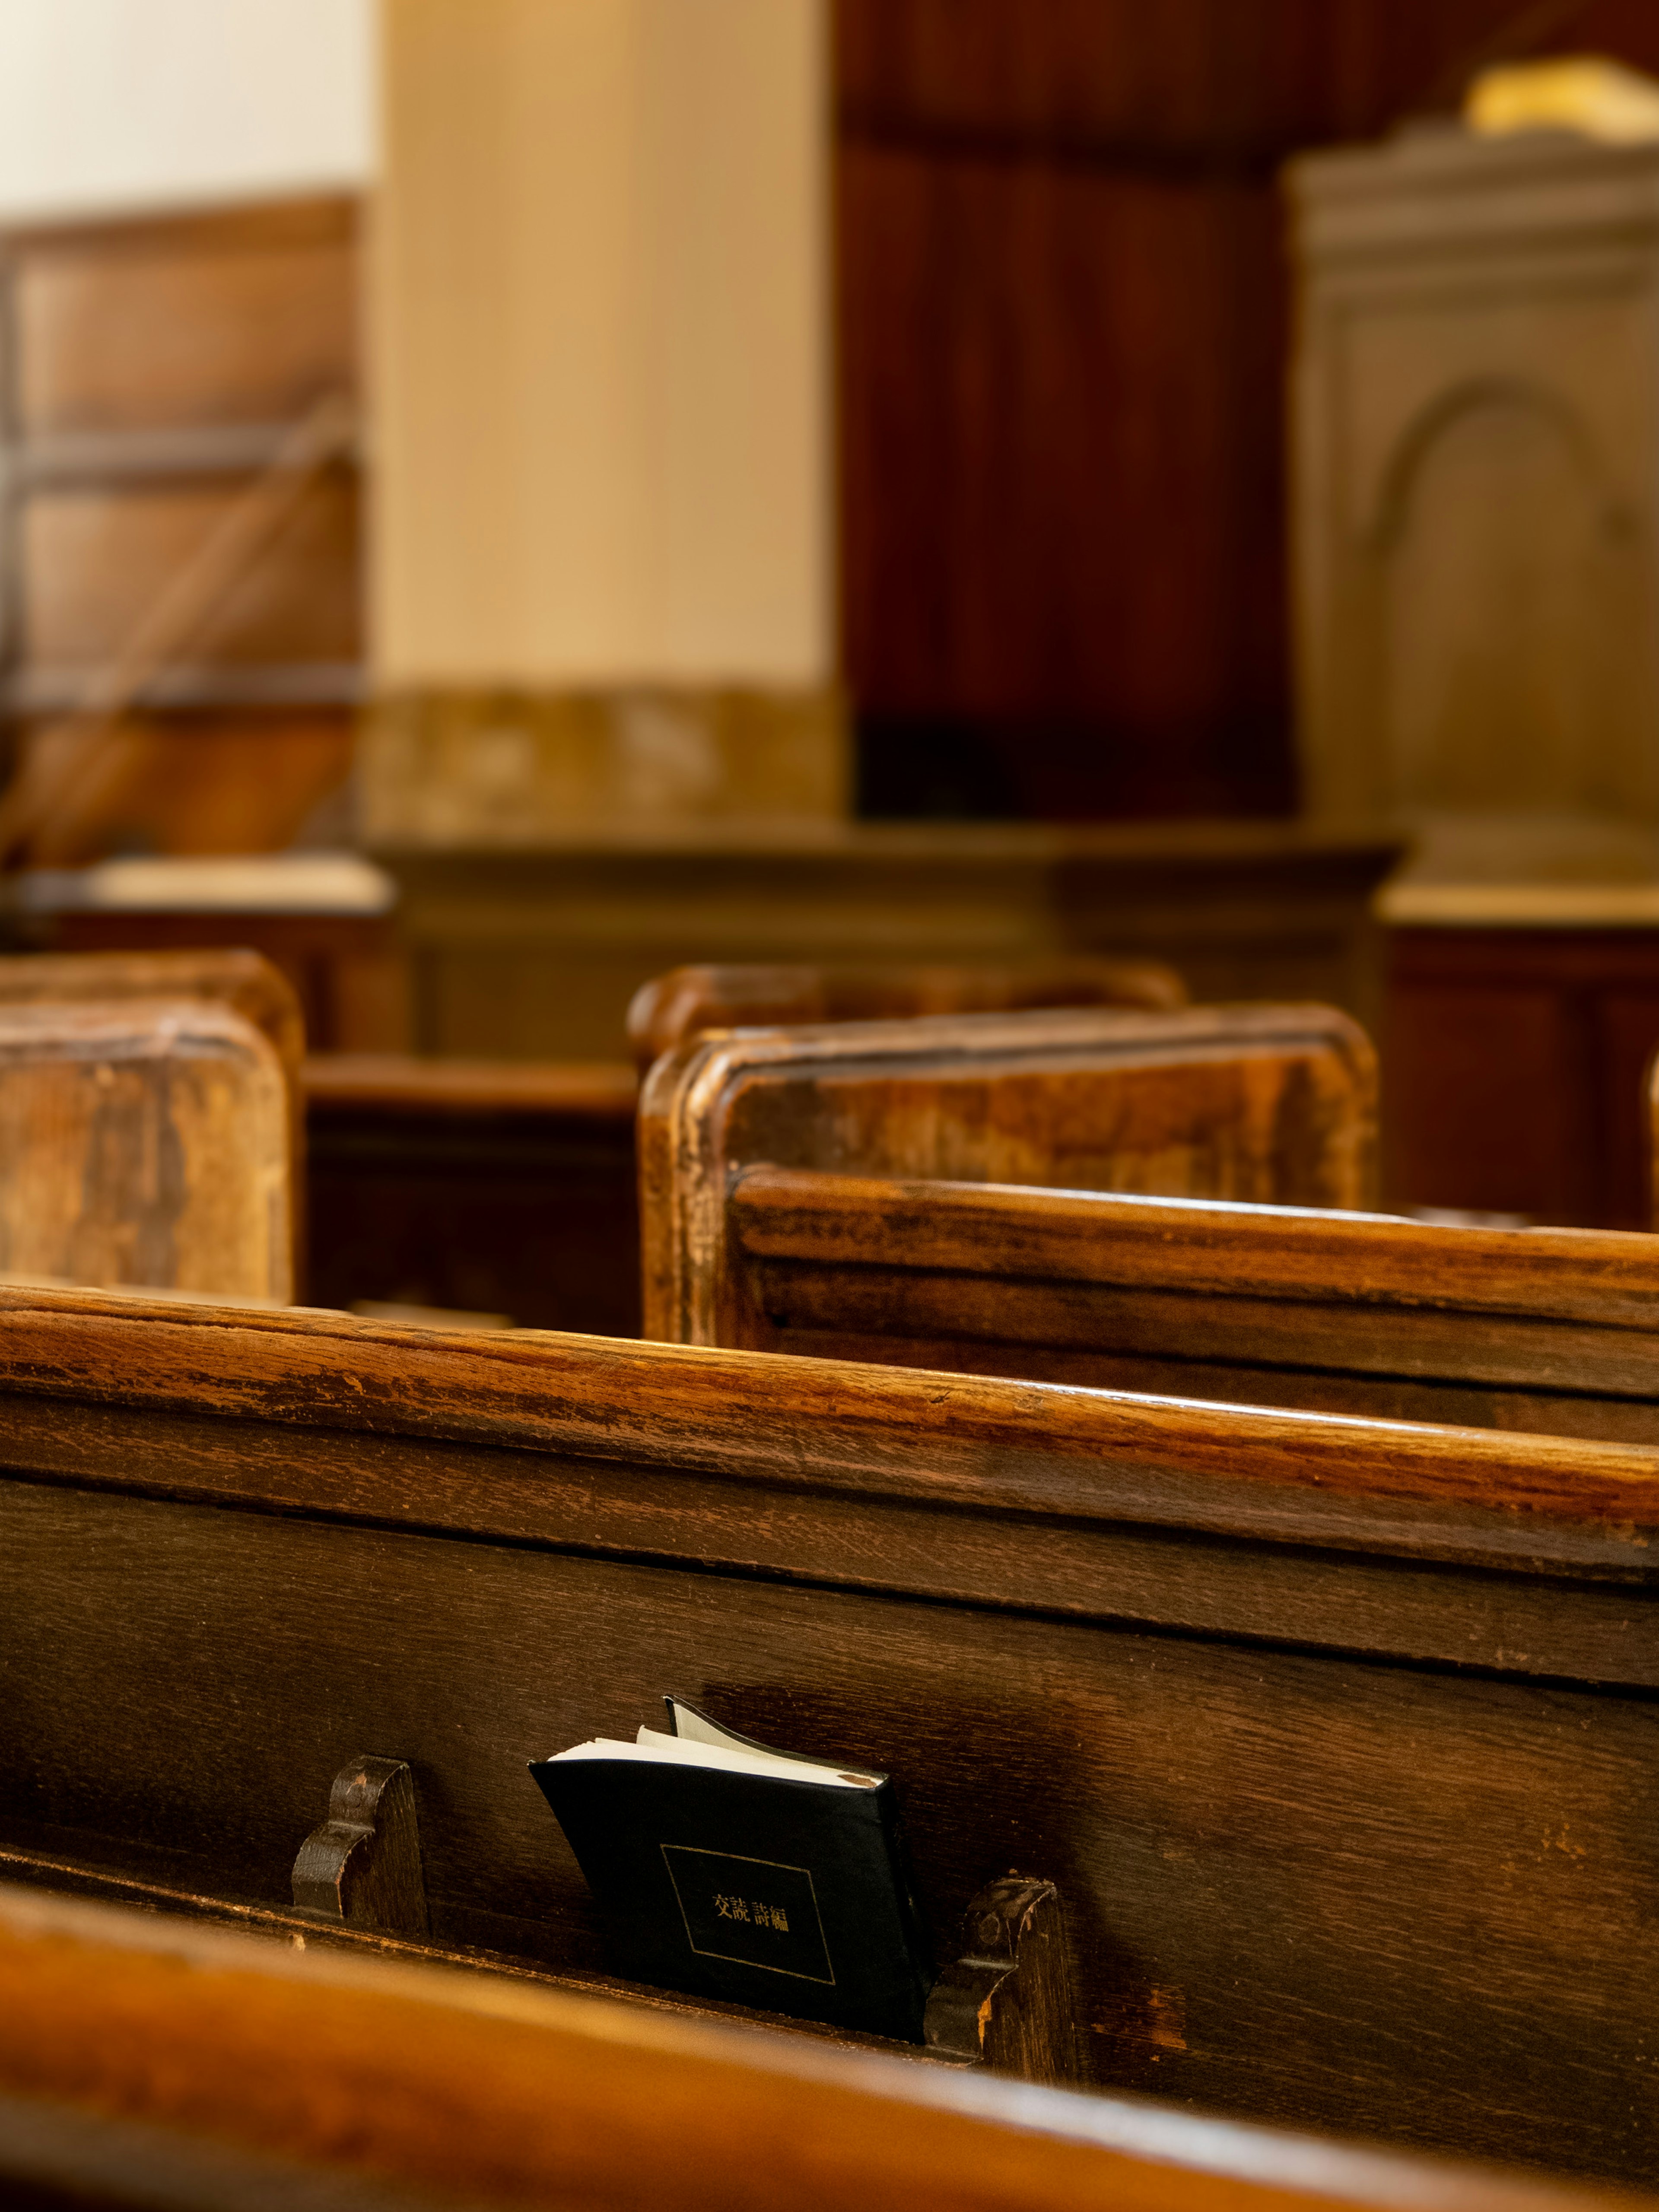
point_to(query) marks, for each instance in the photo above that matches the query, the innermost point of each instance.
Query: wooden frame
(1550, 1330)
(1338, 1737)
(1272, 1103)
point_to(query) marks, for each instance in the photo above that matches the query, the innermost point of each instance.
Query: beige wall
(599, 332)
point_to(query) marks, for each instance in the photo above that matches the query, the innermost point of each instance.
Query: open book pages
(699, 1741)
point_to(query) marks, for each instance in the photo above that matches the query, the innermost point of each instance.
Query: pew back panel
(673, 1008)
(1554, 1331)
(1339, 1738)
(260, 993)
(494, 1185)
(144, 1141)
(1269, 1103)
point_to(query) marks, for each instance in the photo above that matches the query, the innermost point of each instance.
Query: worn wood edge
(776, 1415)
(687, 1097)
(1299, 1254)
(163, 2020)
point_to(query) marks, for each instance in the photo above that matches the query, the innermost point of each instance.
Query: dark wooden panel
(1514, 1063)
(1063, 316)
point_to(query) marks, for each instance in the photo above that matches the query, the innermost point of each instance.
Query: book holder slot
(1006, 2003)
(363, 1866)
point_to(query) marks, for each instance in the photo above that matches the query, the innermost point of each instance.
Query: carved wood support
(363, 1866)
(1007, 2004)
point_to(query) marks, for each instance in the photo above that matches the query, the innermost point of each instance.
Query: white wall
(112, 104)
(601, 339)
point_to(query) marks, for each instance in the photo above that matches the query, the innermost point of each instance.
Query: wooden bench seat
(1551, 1330)
(145, 2064)
(1337, 1737)
(1272, 1104)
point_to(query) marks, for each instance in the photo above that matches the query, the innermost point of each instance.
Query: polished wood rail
(1335, 1736)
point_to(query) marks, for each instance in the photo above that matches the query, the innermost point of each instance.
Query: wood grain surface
(489, 1186)
(145, 1141)
(449, 2087)
(1336, 1737)
(1264, 1103)
(670, 1010)
(258, 991)
(1550, 1330)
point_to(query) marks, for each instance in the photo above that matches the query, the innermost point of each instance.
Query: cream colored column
(603, 546)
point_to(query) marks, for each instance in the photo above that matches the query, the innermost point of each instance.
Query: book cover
(723, 1870)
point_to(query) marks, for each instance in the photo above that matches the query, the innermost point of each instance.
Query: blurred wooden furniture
(1521, 1025)
(347, 968)
(491, 1187)
(534, 953)
(672, 1008)
(143, 2062)
(157, 367)
(145, 1141)
(1336, 1736)
(1552, 1331)
(1276, 1104)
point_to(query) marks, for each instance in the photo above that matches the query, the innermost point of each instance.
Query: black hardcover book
(761, 1877)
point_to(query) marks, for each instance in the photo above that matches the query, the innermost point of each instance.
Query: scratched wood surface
(184, 2066)
(673, 1008)
(144, 1141)
(1271, 1103)
(258, 991)
(1339, 1737)
(1551, 1330)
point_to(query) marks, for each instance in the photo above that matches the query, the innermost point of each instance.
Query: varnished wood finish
(247, 981)
(670, 1009)
(1268, 1103)
(1336, 1737)
(1009, 2001)
(1551, 1330)
(449, 2089)
(491, 1185)
(363, 1866)
(144, 1141)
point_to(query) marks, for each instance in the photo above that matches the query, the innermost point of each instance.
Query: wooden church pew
(671, 1010)
(492, 1186)
(1555, 1331)
(1273, 1105)
(247, 981)
(144, 2062)
(145, 1141)
(1336, 1737)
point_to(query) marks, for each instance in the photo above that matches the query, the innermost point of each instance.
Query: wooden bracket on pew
(364, 1865)
(1007, 2003)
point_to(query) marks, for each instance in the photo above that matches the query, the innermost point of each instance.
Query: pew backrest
(144, 2062)
(1551, 1330)
(245, 980)
(147, 1142)
(1272, 1105)
(671, 1009)
(1337, 1737)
